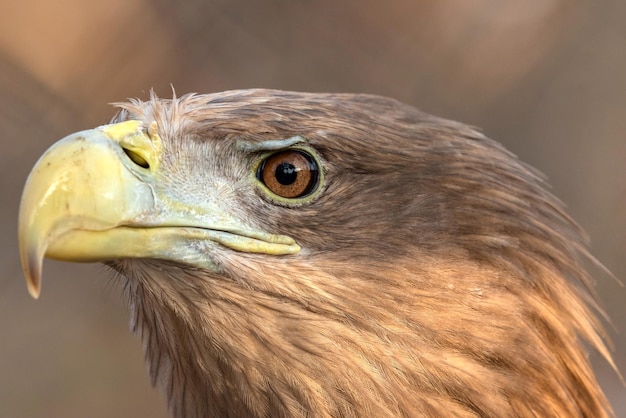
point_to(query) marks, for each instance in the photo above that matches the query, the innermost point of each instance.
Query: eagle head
(325, 255)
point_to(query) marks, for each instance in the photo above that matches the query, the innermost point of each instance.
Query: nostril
(136, 158)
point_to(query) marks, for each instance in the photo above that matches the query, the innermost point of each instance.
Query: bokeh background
(545, 77)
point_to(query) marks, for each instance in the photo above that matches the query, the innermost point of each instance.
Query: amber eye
(289, 174)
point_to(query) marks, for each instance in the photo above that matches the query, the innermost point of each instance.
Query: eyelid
(271, 145)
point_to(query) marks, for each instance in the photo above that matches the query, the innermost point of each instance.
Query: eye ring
(289, 174)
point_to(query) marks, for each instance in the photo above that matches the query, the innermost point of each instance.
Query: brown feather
(437, 276)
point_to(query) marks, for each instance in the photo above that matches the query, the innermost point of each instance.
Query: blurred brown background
(545, 77)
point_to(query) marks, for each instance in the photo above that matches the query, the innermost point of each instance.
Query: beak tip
(32, 272)
(33, 284)
(34, 291)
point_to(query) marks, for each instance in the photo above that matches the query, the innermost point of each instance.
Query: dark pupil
(286, 173)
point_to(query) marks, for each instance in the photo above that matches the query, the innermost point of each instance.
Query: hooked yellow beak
(92, 197)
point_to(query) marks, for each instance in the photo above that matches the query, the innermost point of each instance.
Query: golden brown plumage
(435, 276)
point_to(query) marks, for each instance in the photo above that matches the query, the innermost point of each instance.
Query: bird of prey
(325, 255)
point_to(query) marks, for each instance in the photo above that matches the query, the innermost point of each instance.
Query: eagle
(292, 254)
